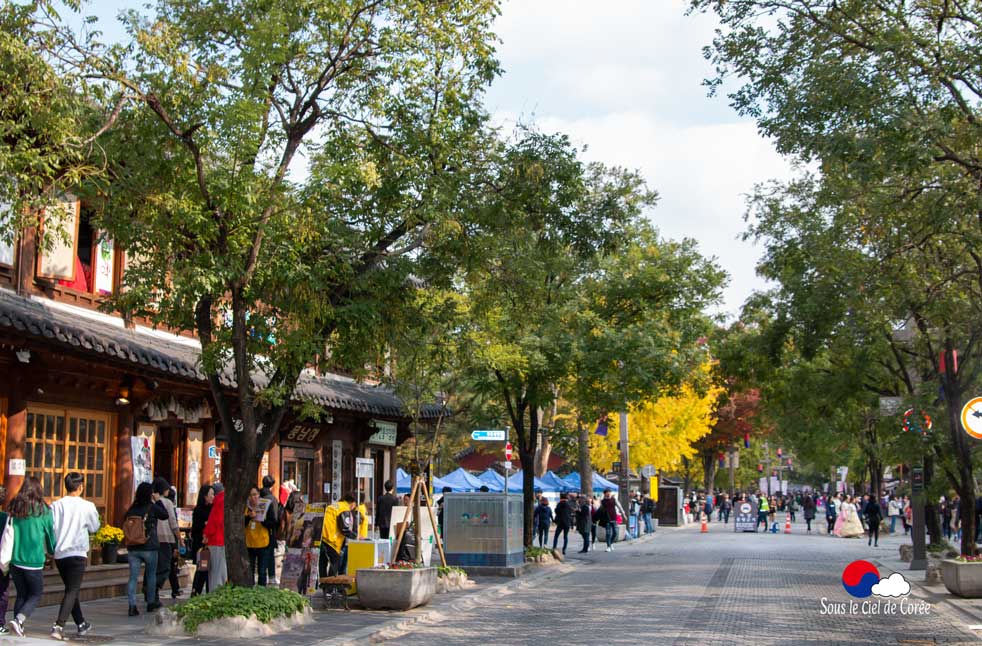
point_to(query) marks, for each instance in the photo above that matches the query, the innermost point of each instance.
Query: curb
(373, 634)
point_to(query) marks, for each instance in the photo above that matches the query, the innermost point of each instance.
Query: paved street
(686, 588)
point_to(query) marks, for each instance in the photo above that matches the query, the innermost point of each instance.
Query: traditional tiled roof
(176, 358)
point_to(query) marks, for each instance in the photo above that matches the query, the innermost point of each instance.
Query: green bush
(532, 552)
(450, 569)
(230, 601)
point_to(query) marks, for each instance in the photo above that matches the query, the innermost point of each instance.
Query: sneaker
(134, 611)
(608, 548)
(153, 606)
(58, 633)
(84, 628)
(3, 630)
(15, 627)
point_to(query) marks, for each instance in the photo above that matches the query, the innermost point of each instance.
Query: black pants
(543, 533)
(71, 570)
(329, 563)
(165, 558)
(383, 532)
(586, 540)
(200, 582)
(874, 531)
(257, 561)
(30, 586)
(831, 522)
(270, 559)
(555, 537)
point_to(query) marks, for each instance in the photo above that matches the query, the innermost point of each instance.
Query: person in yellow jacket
(762, 512)
(339, 526)
(362, 522)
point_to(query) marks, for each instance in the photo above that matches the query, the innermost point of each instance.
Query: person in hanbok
(851, 525)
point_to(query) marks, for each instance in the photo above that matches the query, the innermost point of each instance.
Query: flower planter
(110, 553)
(963, 579)
(396, 589)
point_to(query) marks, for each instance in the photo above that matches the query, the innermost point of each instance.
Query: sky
(625, 79)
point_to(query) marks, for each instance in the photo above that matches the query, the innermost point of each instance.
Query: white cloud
(625, 79)
(894, 586)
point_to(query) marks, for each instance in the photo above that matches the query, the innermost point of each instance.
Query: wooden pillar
(16, 434)
(124, 465)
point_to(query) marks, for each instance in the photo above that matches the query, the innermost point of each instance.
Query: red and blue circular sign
(859, 577)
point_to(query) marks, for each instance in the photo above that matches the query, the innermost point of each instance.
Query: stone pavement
(675, 587)
(687, 588)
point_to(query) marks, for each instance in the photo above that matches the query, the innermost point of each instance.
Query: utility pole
(767, 466)
(625, 468)
(732, 453)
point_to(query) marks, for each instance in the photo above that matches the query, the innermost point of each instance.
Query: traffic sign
(508, 452)
(972, 417)
(489, 435)
(508, 464)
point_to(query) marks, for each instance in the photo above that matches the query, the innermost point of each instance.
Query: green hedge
(230, 601)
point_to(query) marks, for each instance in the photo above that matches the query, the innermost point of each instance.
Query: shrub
(446, 571)
(108, 535)
(532, 552)
(230, 601)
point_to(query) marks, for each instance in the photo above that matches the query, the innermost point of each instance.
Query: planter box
(963, 579)
(396, 589)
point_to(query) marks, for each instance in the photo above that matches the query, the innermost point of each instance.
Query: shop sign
(18, 467)
(385, 433)
(301, 433)
(364, 468)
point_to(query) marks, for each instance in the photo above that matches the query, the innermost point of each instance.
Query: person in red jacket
(214, 536)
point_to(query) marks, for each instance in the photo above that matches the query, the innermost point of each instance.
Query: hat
(217, 487)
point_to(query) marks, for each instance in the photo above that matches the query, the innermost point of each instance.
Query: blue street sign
(489, 436)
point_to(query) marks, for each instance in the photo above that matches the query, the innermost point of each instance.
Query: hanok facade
(120, 402)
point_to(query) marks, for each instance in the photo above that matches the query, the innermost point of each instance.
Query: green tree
(278, 170)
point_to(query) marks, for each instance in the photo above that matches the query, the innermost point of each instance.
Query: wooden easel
(414, 495)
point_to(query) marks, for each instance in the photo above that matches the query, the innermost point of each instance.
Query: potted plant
(963, 576)
(396, 586)
(109, 538)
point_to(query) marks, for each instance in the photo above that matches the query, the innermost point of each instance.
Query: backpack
(135, 531)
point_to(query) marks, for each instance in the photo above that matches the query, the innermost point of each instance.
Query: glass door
(298, 470)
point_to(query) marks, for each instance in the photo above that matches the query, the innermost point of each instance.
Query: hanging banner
(6, 246)
(104, 265)
(264, 465)
(194, 448)
(303, 549)
(336, 453)
(141, 445)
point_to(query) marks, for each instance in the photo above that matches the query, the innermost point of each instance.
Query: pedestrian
(339, 527)
(142, 544)
(202, 509)
(762, 512)
(174, 568)
(439, 513)
(647, 512)
(4, 576)
(256, 538)
(584, 521)
(808, 506)
(612, 510)
(73, 518)
(594, 520)
(542, 520)
(34, 538)
(908, 516)
(708, 508)
(726, 508)
(383, 506)
(893, 511)
(873, 517)
(793, 508)
(214, 536)
(271, 521)
(167, 533)
(564, 521)
(945, 518)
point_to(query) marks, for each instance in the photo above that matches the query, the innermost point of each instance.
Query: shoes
(133, 611)
(583, 551)
(3, 630)
(58, 633)
(608, 549)
(84, 628)
(176, 593)
(153, 606)
(15, 627)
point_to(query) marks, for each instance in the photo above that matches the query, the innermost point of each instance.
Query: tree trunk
(542, 456)
(687, 481)
(931, 523)
(965, 484)
(709, 465)
(586, 469)
(238, 482)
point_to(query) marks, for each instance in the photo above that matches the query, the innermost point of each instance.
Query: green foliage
(450, 569)
(532, 552)
(232, 601)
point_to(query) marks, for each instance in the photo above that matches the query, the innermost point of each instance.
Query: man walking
(564, 520)
(167, 533)
(542, 520)
(647, 512)
(584, 521)
(384, 507)
(73, 519)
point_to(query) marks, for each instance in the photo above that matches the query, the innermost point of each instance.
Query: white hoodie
(74, 518)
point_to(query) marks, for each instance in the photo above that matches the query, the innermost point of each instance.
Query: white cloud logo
(894, 586)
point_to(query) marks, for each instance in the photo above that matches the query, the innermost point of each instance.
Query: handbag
(203, 556)
(7, 546)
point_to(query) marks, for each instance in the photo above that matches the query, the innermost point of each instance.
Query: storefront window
(298, 470)
(60, 441)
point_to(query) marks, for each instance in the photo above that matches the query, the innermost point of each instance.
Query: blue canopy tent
(461, 480)
(555, 482)
(537, 484)
(599, 482)
(404, 482)
(496, 482)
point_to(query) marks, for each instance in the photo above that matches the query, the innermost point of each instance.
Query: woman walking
(34, 537)
(830, 514)
(143, 514)
(206, 496)
(808, 504)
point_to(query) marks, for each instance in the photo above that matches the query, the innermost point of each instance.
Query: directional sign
(489, 436)
(972, 417)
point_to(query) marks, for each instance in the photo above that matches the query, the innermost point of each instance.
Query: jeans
(593, 533)
(30, 586)
(946, 527)
(270, 556)
(71, 570)
(149, 558)
(4, 598)
(648, 527)
(257, 560)
(543, 534)
(555, 537)
(217, 569)
(893, 524)
(611, 532)
(726, 516)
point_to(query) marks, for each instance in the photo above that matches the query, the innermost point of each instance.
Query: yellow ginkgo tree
(661, 431)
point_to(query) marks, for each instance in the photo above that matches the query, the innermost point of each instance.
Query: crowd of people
(588, 513)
